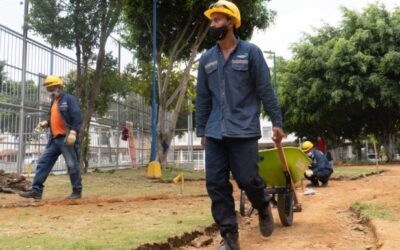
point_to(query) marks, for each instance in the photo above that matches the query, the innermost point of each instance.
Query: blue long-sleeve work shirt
(319, 162)
(68, 106)
(230, 93)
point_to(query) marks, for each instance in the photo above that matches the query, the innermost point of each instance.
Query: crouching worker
(320, 169)
(63, 127)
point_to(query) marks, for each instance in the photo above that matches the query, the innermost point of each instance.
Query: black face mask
(218, 33)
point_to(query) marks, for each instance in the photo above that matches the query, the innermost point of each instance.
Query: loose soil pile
(13, 183)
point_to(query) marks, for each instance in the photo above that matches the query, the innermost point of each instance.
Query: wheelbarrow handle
(285, 168)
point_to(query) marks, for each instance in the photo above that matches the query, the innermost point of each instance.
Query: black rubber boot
(266, 221)
(31, 194)
(312, 184)
(76, 194)
(230, 242)
(314, 181)
(324, 184)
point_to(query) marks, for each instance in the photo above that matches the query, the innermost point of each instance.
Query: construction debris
(11, 183)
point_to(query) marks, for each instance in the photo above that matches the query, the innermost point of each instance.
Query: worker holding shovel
(233, 79)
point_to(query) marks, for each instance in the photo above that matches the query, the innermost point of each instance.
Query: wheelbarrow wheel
(285, 208)
(242, 207)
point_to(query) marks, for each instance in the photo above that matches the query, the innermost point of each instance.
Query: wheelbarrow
(281, 169)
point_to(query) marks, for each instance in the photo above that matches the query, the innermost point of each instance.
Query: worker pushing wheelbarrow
(280, 168)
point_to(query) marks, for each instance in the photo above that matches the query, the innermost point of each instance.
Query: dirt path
(327, 223)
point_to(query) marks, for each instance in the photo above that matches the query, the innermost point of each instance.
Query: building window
(185, 156)
(176, 156)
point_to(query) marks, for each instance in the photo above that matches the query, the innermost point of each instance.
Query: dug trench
(327, 222)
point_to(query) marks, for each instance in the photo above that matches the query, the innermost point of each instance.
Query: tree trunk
(78, 84)
(163, 146)
(165, 127)
(357, 149)
(389, 141)
(84, 151)
(110, 18)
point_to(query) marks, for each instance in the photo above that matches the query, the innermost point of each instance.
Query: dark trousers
(239, 156)
(322, 176)
(54, 149)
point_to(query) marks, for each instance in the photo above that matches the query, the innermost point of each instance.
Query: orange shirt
(56, 121)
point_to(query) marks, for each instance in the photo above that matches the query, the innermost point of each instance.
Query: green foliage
(172, 18)
(142, 79)
(114, 84)
(141, 84)
(181, 33)
(60, 22)
(9, 89)
(85, 26)
(343, 82)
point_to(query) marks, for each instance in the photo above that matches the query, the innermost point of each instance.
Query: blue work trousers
(46, 162)
(239, 156)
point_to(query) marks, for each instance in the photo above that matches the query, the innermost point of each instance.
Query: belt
(58, 136)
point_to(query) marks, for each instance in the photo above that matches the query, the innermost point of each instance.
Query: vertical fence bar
(21, 146)
(190, 134)
(27, 62)
(118, 107)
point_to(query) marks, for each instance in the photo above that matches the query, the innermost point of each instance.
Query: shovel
(297, 206)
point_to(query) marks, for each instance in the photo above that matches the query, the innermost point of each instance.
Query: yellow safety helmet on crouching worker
(227, 8)
(53, 81)
(307, 146)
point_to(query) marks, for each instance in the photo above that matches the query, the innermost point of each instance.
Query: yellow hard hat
(225, 7)
(52, 81)
(307, 146)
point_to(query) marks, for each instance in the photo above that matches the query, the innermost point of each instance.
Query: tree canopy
(343, 82)
(84, 25)
(181, 34)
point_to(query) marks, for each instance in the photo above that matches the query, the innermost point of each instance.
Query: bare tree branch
(184, 81)
(174, 54)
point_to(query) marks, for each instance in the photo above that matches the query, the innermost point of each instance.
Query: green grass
(124, 182)
(169, 173)
(121, 225)
(106, 227)
(368, 211)
(353, 172)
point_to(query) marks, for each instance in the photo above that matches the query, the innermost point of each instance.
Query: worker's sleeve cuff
(200, 132)
(277, 124)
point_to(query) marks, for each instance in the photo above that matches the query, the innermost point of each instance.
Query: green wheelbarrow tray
(270, 168)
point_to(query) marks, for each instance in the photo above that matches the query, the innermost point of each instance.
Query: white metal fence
(24, 63)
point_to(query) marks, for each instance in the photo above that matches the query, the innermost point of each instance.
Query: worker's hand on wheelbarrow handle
(277, 134)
